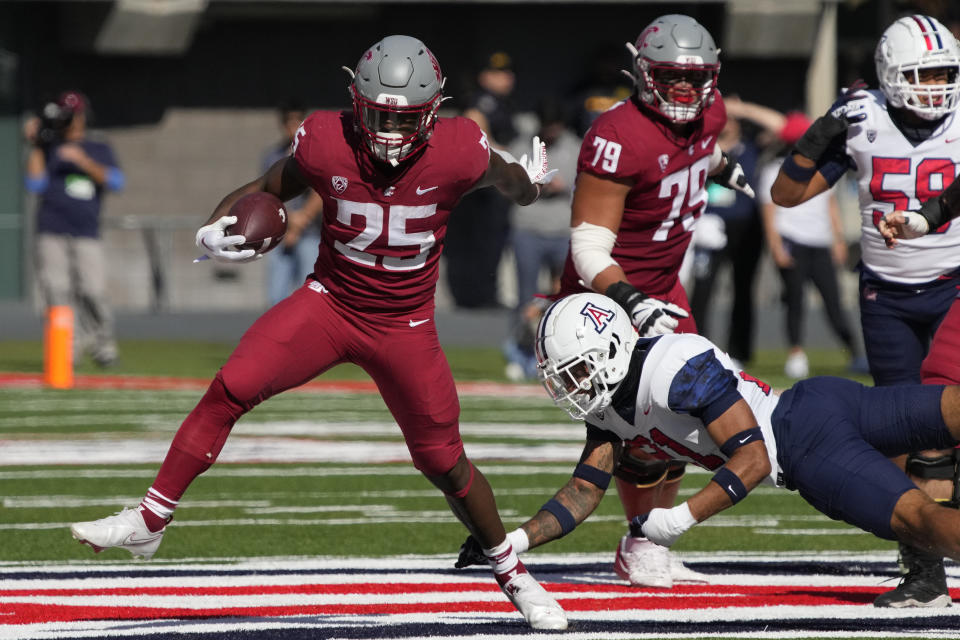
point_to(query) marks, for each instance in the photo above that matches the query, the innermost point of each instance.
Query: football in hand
(261, 219)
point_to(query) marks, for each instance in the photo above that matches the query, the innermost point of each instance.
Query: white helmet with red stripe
(906, 49)
(584, 344)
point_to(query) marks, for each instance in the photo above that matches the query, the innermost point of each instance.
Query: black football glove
(471, 553)
(832, 124)
(732, 177)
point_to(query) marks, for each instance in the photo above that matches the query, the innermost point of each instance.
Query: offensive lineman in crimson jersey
(641, 186)
(389, 173)
(899, 143)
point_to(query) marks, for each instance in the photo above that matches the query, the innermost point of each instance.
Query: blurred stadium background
(186, 92)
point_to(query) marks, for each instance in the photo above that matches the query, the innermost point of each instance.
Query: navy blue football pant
(898, 322)
(835, 438)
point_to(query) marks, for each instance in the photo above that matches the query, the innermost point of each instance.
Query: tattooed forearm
(578, 496)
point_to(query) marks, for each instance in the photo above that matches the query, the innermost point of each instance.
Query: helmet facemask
(929, 101)
(578, 386)
(678, 91)
(393, 131)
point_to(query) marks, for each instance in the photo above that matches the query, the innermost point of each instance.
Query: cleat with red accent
(538, 607)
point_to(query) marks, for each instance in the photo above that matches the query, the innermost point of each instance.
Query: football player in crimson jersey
(389, 172)
(898, 142)
(641, 185)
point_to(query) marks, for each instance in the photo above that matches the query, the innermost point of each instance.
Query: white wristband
(518, 540)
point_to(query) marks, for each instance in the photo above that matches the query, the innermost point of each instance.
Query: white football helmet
(396, 89)
(912, 44)
(675, 67)
(583, 346)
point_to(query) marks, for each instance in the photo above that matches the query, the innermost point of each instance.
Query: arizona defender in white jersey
(827, 438)
(897, 141)
(899, 170)
(902, 145)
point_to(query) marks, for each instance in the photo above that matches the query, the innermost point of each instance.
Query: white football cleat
(538, 607)
(682, 574)
(125, 529)
(643, 563)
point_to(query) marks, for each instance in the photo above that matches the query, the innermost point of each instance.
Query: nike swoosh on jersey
(421, 191)
(417, 323)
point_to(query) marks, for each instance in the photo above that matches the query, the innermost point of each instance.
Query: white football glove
(654, 317)
(663, 526)
(215, 244)
(650, 316)
(536, 165)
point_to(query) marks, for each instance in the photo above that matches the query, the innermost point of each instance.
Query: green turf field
(327, 508)
(201, 359)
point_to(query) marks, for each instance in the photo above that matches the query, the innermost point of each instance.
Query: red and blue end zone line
(413, 598)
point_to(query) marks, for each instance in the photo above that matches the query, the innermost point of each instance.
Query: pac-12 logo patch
(339, 183)
(598, 316)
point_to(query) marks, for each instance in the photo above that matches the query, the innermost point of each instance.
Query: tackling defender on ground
(682, 398)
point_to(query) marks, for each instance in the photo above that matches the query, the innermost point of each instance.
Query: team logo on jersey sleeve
(598, 316)
(339, 183)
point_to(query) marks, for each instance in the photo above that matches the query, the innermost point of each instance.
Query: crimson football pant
(942, 364)
(305, 335)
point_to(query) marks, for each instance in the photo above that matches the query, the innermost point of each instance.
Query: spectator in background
(603, 86)
(736, 238)
(541, 233)
(288, 267)
(70, 172)
(479, 226)
(806, 243)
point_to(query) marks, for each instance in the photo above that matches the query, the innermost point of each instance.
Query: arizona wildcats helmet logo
(339, 183)
(598, 316)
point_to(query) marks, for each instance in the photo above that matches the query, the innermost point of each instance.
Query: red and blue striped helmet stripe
(929, 32)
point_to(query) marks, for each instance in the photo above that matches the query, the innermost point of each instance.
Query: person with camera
(70, 173)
